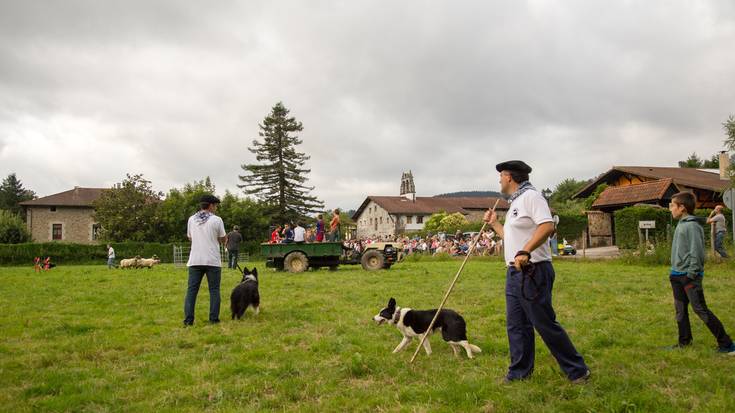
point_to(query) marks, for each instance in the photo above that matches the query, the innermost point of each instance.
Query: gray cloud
(92, 90)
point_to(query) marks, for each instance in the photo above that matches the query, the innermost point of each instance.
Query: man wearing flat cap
(206, 231)
(530, 278)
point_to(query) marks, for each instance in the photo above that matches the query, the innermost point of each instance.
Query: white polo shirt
(205, 241)
(525, 214)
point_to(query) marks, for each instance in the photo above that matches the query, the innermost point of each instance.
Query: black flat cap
(210, 199)
(518, 166)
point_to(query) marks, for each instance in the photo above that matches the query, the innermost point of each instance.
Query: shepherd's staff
(451, 286)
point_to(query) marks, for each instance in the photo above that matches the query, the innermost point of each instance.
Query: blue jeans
(214, 276)
(719, 241)
(110, 262)
(232, 258)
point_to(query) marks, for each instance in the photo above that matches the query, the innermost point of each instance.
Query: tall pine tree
(280, 176)
(12, 193)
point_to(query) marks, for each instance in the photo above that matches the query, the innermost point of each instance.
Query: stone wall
(76, 223)
(375, 222)
(599, 228)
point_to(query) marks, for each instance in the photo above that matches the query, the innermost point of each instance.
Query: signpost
(646, 225)
(729, 198)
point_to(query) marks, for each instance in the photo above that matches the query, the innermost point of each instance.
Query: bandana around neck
(202, 217)
(523, 187)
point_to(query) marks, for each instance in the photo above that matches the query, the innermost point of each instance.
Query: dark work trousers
(524, 315)
(232, 258)
(214, 276)
(688, 291)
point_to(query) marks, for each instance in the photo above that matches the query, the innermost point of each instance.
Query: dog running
(245, 294)
(413, 323)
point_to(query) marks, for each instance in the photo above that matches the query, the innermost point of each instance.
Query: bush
(68, 253)
(570, 226)
(626, 225)
(12, 228)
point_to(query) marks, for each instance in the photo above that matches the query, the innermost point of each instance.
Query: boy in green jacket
(687, 271)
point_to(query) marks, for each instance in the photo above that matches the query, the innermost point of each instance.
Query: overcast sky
(90, 91)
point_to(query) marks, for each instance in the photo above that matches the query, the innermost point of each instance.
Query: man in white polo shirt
(206, 232)
(530, 278)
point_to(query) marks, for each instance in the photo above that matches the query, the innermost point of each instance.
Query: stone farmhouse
(65, 217)
(388, 216)
(652, 185)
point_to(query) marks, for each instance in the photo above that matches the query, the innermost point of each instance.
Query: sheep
(130, 262)
(148, 262)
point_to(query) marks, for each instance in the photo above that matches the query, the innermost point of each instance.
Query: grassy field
(85, 338)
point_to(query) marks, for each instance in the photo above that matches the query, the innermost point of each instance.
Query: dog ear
(254, 272)
(392, 302)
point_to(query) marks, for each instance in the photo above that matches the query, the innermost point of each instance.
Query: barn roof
(431, 205)
(77, 197)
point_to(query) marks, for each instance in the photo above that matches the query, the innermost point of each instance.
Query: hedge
(626, 225)
(570, 226)
(69, 253)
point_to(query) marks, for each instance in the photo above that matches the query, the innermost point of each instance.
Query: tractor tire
(372, 260)
(296, 262)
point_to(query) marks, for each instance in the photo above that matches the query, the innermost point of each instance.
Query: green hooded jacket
(687, 249)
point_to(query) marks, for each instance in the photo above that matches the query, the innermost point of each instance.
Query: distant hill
(476, 194)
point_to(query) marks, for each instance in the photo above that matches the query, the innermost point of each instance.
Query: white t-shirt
(298, 234)
(205, 241)
(525, 214)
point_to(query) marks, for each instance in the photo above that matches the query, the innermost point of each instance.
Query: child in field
(687, 271)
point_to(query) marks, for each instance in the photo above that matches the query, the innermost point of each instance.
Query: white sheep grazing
(130, 262)
(148, 262)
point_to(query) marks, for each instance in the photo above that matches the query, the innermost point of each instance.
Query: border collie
(413, 323)
(245, 294)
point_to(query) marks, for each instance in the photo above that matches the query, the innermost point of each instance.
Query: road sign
(647, 224)
(728, 197)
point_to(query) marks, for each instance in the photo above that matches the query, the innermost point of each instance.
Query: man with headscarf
(530, 278)
(206, 232)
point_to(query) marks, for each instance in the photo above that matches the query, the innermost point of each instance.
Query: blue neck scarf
(523, 187)
(202, 217)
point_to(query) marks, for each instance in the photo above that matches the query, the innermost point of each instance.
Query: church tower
(408, 189)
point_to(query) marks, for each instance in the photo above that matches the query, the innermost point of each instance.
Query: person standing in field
(530, 278)
(206, 231)
(335, 227)
(687, 273)
(717, 218)
(232, 242)
(110, 257)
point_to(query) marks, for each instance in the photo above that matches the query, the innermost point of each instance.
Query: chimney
(724, 166)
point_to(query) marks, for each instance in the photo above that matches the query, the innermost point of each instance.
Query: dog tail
(475, 349)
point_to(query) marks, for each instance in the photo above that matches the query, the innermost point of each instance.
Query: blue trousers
(523, 315)
(232, 258)
(214, 276)
(719, 243)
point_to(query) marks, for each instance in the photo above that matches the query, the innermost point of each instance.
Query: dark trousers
(196, 273)
(523, 315)
(688, 291)
(232, 258)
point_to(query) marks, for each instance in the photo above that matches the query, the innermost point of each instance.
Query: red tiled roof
(430, 205)
(689, 177)
(632, 194)
(73, 197)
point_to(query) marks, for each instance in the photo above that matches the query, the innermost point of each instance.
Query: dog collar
(397, 315)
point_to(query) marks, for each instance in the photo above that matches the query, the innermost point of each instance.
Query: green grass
(84, 338)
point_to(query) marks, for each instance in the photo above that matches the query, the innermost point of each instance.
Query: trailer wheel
(372, 260)
(296, 262)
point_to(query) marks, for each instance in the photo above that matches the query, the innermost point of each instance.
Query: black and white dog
(245, 294)
(413, 323)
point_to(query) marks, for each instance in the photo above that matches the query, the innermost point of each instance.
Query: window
(409, 219)
(56, 232)
(96, 231)
(381, 220)
(52, 209)
(420, 219)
